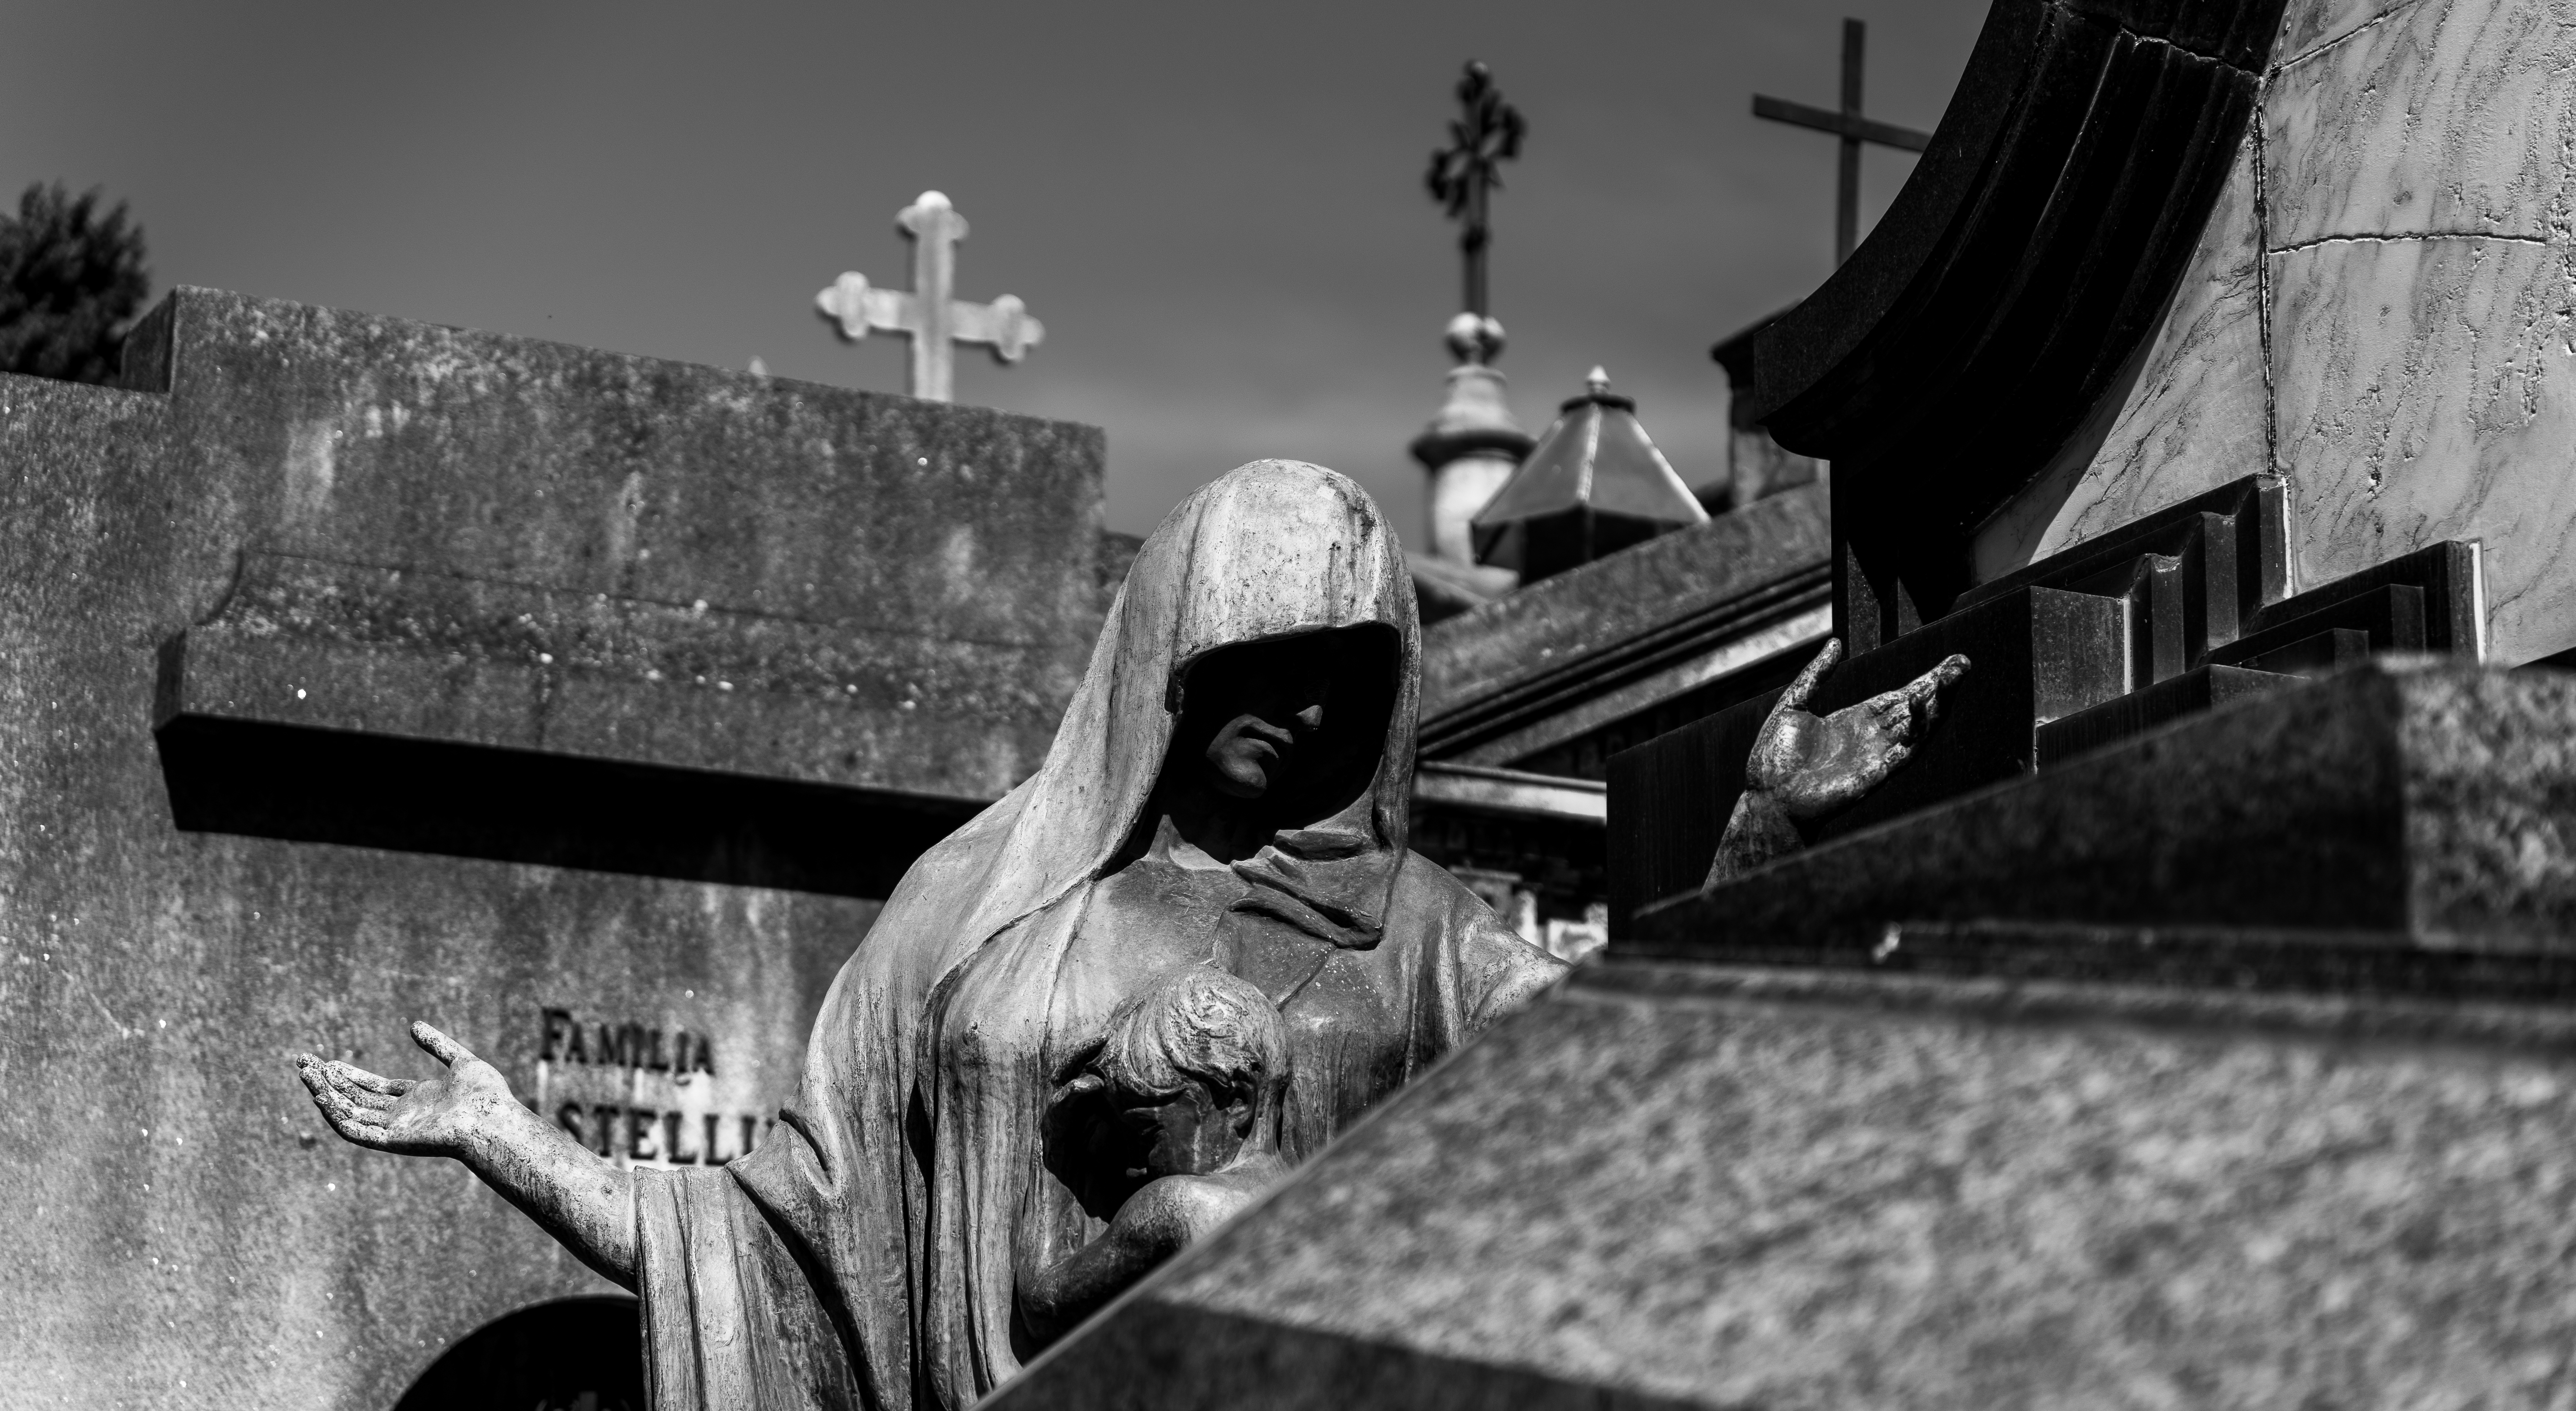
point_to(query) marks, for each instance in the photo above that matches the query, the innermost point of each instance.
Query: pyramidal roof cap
(1597, 456)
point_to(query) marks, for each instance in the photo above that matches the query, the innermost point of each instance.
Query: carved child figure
(1193, 1068)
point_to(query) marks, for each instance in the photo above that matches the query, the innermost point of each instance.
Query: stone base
(1676, 1185)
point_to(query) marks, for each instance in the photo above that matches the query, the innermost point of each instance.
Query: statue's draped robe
(864, 1255)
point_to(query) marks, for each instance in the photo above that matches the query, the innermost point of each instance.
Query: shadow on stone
(312, 785)
(575, 1354)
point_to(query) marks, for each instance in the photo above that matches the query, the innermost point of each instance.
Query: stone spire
(1474, 444)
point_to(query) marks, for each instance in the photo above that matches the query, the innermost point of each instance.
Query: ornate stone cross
(1486, 133)
(1853, 129)
(927, 312)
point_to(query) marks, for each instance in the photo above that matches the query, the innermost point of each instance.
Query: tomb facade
(584, 704)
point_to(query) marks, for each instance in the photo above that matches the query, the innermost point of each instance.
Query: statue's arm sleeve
(730, 1319)
(1502, 973)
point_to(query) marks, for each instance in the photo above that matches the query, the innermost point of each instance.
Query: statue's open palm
(424, 1117)
(1814, 766)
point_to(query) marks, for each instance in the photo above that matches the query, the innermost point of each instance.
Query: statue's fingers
(1795, 698)
(369, 1099)
(1923, 694)
(1875, 772)
(347, 1118)
(373, 1082)
(1888, 715)
(1930, 683)
(440, 1046)
(341, 1080)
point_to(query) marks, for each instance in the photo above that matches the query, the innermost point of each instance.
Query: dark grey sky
(1216, 209)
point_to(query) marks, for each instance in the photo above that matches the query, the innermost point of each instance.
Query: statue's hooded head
(1272, 585)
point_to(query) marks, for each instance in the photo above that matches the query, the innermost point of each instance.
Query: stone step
(2405, 803)
(2193, 691)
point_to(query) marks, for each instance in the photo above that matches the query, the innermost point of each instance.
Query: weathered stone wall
(873, 592)
(2378, 312)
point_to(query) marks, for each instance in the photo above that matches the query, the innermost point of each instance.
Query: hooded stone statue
(865, 1254)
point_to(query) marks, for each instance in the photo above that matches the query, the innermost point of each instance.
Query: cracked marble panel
(2310, 25)
(2426, 390)
(2191, 418)
(2446, 116)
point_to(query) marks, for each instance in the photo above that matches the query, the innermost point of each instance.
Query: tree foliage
(71, 280)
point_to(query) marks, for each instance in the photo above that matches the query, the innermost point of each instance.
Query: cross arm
(1004, 324)
(1849, 125)
(854, 306)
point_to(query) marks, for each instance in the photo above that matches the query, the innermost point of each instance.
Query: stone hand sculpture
(1805, 768)
(974, 1157)
(1193, 1071)
(471, 1115)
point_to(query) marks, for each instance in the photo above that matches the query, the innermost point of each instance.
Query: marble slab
(2426, 390)
(2448, 116)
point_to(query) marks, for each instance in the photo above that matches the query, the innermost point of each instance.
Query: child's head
(1194, 1064)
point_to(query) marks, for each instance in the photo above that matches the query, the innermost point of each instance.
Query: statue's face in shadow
(1258, 746)
(1295, 723)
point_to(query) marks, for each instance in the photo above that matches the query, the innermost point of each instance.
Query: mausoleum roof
(1595, 481)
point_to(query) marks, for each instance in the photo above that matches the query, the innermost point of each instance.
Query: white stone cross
(926, 312)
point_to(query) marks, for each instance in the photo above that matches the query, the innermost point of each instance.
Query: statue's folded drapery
(864, 1256)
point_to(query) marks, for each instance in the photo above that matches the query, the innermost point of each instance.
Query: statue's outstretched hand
(1819, 765)
(425, 1117)
(1804, 767)
(469, 1114)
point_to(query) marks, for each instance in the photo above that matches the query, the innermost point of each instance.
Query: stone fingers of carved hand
(1788, 737)
(1902, 715)
(1795, 698)
(446, 1050)
(432, 1117)
(1926, 689)
(355, 1102)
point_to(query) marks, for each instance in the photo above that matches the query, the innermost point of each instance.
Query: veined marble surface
(2426, 390)
(2444, 117)
(2382, 310)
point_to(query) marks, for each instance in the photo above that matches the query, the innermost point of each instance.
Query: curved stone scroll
(2030, 255)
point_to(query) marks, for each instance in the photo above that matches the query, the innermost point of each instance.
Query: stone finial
(1475, 338)
(1471, 447)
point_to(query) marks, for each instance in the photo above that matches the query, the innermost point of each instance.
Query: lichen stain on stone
(957, 565)
(310, 448)
(392, 414)
(624, 510)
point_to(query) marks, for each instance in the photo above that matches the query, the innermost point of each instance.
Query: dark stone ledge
(2413, 801)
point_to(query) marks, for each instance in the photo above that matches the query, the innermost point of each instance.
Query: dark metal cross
(1486, 133)
(1853, 129)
